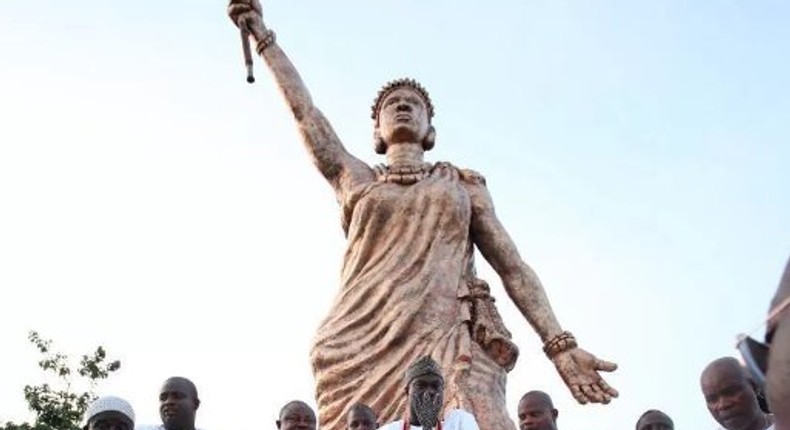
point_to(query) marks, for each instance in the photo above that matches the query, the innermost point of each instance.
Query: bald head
(654, 419)
(723, 366)
(361, 417)
(538, 397)
(296, 415)
(178, 403)
(730, 396)
(536, 412)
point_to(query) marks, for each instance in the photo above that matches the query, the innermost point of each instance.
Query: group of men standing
(178, 405)
(732, 397)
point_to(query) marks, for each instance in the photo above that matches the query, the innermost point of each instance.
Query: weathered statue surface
(408, 285)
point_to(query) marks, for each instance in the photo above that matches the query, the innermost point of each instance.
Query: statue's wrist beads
(559, 343)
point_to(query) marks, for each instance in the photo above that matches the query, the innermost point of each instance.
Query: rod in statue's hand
(245, 45)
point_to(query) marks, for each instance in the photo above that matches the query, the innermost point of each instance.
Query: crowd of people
(733, 398)
(734, 394)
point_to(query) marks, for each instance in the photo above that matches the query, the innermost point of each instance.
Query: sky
(153, 202)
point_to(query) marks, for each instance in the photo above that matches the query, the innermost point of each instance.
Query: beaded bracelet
(267, 41)
(559, 343)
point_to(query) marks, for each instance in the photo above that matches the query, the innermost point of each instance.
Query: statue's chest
(429, 199)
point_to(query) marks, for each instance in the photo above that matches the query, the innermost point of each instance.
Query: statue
(408, 285)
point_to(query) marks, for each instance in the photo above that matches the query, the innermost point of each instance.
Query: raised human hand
(248, 16)
(579, 370)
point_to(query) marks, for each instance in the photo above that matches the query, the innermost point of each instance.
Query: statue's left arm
(578, 368)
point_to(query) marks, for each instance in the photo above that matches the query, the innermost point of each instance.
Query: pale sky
(153, 202)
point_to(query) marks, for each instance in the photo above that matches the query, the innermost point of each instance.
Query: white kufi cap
(109, 404)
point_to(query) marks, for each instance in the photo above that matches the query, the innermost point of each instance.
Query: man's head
(536, 412)
(296, 415)
(654, 420)
(109, 413)
(361, 417)
(402, 113)
(730, 395)
(178, 403)
(425, 388)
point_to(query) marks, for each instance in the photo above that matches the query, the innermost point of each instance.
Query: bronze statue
(408, 285)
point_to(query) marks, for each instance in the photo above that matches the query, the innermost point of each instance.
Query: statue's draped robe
(405, 293)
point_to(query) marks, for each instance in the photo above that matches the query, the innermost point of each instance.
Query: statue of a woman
(408, 285)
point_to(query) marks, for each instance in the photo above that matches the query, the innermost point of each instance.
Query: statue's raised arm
(338, 166)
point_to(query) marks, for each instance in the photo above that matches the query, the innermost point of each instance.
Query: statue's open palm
(579, 370)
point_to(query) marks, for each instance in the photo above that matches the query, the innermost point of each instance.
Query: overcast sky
(153, 202)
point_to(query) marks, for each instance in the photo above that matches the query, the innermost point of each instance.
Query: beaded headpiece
(424, 366)
(399, 83)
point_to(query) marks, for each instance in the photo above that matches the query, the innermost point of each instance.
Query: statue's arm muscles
(337, 165)
(520, 281)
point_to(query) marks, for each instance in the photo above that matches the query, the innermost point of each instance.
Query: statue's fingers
(591, 394)
(605, 366)
(607, 388)
(577, 394)
(605, 391)
(604, 396)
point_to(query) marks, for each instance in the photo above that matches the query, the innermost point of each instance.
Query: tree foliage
(61, 407)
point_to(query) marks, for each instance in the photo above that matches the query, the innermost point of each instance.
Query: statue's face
(403, 117)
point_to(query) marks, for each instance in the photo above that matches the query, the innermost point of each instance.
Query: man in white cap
(109, 413)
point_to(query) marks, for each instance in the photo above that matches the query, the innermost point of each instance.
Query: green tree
(62, 407)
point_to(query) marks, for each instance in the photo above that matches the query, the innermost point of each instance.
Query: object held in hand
(245, 45)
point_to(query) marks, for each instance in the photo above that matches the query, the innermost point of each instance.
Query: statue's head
(402, 113)
(425, 388)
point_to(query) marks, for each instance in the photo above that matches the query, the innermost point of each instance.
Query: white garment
(153, 427)
(771, 427)
(455, 419)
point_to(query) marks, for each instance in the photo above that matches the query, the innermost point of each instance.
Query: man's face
(177, 405)
(535, 414)
(297, 416)
(403, 117)
(361, 419)
(110, 420)
(426, 396)
(654, 421)
(731, 399)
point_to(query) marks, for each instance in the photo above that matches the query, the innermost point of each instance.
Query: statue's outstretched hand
(247, 15)
(579, 370)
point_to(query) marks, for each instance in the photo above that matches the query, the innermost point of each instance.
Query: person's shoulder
(148, 427)
(395, 425)
(459, 419)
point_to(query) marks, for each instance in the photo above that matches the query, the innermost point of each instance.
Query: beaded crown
(424, 366)
(394, 85)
